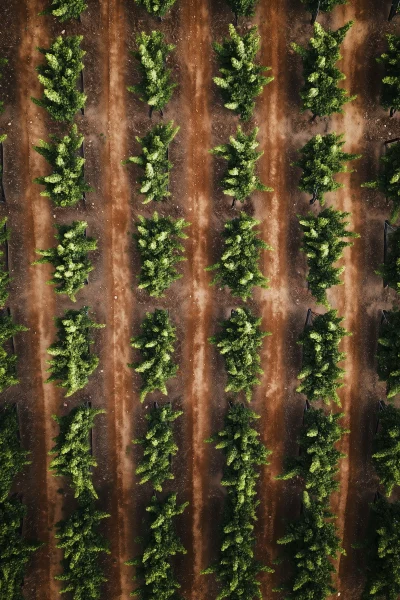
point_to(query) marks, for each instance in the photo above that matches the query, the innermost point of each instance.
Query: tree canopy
(8, 360)
(156, 8)
(4, 273)
(65, 9)
(390, 270)
(390, 97)
(317, 6)
(388, 179)
(389, 352)
(13, 458)
(386, 456)
(242, 8)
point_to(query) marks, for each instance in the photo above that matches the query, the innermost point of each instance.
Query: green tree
(69, 258)
(390, 270)
(383, 549)
(4, 273)
(158, 446)
(236, 568)
(12, 457)
(58, 76)
(8, 360)
(239, 342)
(317, 463)
(65, 185)
(157, 8)
(82, 545)
(15, 550)
(72, 362)
(320, 375)
(313, 543)
(155, 87)
(241, 78)
(317, 6)
(387, 449)
(65, 9)
(160, 250)
(390, 60)
(153, 567)
(321, 158)
(154, 161)
(388, 179)
(389, 352)
(323, 244)
(242, 8)
(3, 62)
(238, 267)
(321, 94)
(241, 155)
(74, 458)
(156, 344)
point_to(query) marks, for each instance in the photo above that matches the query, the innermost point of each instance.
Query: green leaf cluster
(241, 78)
(69, 258)
(154, 161)
(386, 457)
(241, 155)
(239, 342)
(387, 181)
(72, 448)
(8, 360)
(390, 97)
(238, 267)
(321, 158)
(65, 9)
(72, 362)
(390, 270)
(65, 185)
(156, 344)
(156, 8)
(317, 6)
(160, 250)
(155, 87)
(3, 62)
(4, 273)
(323, 245)
(321, 94)
(58, 77)
(242, 8)
(312, 545)
(12, 457)
(320, 375)
(236, 568)
(158, 446)
(153, 568)
(318, 460)
(389, 353)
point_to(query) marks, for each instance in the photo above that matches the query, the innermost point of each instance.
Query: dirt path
(119, 397)
(196, 80)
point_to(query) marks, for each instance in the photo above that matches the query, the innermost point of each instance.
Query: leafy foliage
(323, 244)
(15, 550)
(321, 94)
(69, 258)
(154, 161)
(387, 449)
(158, 447)
(316, 6)
(157, 8)
(321, 158)
(389, 353)
(317, 463)
(241, 78)
(241, 155)
(237, 569)
(156, 87)
(58, 76)
(72, 362)
(313, 542)
(390, 270)
(8, 360)
(3, 62)
(160, 250)
(156, 344)
(391, 83)
(238, 342)
(238, 266)
(65, 9)
(72, 449)
(66, 185)
(242, 8)
(387, 181)
(12, 457)
(4, 274)
(320, 373)
(383, 579)
(153, 567)
(81, 544)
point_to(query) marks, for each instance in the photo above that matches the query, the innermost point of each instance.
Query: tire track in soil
(196, 83)
(38, 305)
(119, 400)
